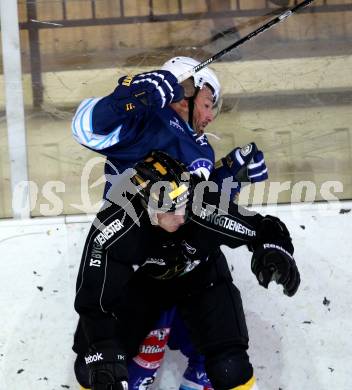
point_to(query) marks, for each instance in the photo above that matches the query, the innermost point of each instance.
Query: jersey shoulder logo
(202, 140)
(174, 122)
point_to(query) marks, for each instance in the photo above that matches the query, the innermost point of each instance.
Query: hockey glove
(155, 89)
(245, 165)
(107, 367)
(272, 258)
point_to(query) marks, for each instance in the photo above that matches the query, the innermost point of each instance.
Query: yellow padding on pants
(246, 386)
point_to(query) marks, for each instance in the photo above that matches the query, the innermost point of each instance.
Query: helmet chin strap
(191, 100)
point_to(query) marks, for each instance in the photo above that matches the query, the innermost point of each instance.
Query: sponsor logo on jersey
(152, 350)
(94, 358)
(96, 255)
(176, 123)
(108, 232)
(201, 167)
(226, 223)
(204, 213)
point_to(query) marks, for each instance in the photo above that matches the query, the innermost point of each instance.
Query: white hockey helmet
(180, 65)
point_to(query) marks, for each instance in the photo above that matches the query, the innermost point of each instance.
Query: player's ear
(183, 103)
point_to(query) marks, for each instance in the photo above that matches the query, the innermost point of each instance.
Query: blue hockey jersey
(125, 138)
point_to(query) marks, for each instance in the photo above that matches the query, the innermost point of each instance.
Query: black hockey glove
(155, 89)
(272, 258)
(107, 367)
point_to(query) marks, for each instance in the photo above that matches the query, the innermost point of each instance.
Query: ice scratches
(20, 235)
(56, 113)
(41, 22)
(62, 83)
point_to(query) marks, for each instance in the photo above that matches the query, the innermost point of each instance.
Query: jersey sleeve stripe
(84, 118)
(78, 130)
(110, 140)
(83, 132)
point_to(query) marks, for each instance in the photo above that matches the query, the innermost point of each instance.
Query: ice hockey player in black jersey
(180, 265)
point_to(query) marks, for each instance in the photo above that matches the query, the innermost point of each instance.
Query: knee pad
(230, 370)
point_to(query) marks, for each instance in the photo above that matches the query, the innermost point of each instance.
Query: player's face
(171, 221)
(203, 110)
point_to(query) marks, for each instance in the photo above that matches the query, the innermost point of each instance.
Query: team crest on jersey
(201, 167)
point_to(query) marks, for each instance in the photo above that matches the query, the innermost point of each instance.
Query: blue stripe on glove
(257, 170)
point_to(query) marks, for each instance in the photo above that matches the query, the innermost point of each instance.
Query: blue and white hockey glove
(155, 89)
(245, 165)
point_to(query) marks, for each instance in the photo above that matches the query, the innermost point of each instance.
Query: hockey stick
(246, 38)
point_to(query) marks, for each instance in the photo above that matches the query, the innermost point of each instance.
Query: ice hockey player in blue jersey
(152, 111)
(148, 112)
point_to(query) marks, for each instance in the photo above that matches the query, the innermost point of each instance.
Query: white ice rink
(296, 343)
